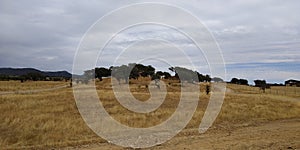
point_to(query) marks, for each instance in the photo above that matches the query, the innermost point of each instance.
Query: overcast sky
(259, 39)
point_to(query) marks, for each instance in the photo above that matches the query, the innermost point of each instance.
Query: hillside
(24, 71)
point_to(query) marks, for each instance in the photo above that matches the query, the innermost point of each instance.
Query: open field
(14, 86)
(50, 119)
(273, 90)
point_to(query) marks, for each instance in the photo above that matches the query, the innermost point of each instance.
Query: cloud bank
(259, 39)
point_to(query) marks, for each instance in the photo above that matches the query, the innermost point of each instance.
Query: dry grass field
(50, 119)
(273, 90)
(6, 86)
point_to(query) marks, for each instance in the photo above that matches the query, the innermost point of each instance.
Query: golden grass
(28, 85)
(274, 90)
(284, 90)
(247, 108)
(50, 119)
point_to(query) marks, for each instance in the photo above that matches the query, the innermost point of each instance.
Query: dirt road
(280, 134)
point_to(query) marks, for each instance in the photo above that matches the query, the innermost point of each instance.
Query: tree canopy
(239, 81)
(134, 71)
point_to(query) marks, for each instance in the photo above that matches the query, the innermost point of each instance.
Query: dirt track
(281, 134)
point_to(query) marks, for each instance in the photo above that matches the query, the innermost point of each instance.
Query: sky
(258, 39)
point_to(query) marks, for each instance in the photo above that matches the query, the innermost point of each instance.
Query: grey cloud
(45, 34)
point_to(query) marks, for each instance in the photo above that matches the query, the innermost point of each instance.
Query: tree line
(32, 76)
(134, 71)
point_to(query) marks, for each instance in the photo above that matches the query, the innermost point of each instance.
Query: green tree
(102, 72)
(234, 81)
(217, 79)
(166, 75)
(121, 72)
(260, 83)
(89, 74)
(244, 82)
(35, 76)
(185, 74)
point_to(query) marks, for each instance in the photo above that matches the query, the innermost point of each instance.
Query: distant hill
(24, 71)
(58, 74)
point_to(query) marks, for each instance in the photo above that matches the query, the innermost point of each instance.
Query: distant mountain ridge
(24, 71)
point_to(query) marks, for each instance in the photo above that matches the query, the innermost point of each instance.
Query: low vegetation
(51, 118)
(9, 86)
